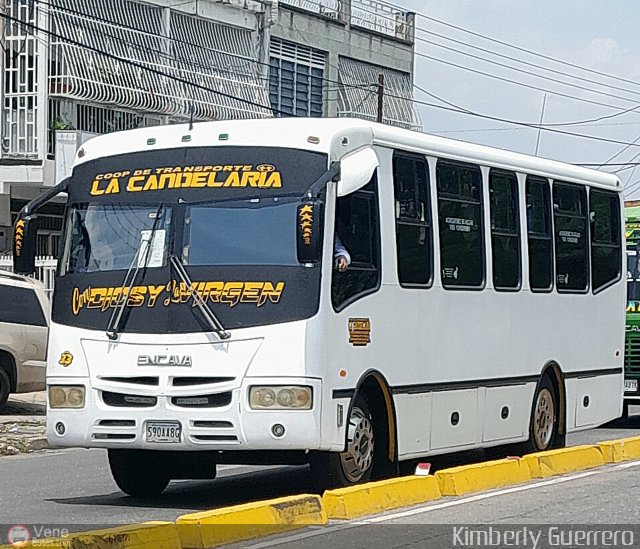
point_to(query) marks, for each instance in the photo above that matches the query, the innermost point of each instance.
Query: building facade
(71, 69)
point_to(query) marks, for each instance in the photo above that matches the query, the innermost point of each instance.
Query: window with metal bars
(296, 79)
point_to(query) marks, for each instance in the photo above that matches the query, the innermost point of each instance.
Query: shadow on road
(244, 487)
(630, 422)
(196, 495)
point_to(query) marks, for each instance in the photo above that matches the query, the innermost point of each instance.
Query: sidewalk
(22, 424)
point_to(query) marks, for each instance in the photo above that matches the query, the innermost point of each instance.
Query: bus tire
(5, 387)
(355, 464)
(138, 473)
(543, 428)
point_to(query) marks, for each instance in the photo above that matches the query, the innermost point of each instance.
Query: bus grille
(202, 401)
(632, 355)
(128, 401)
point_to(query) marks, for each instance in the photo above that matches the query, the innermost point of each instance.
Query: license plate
(163, 431)
(630, 384)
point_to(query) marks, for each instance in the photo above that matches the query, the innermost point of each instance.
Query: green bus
(632, 325)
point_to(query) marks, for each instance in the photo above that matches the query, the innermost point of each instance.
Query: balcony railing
(371, 15)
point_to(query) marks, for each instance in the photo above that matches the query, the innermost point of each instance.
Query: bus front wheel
(138, 473)
(356, 463)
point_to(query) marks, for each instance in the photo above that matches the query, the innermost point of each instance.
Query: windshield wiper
(207, 313)
(143, 252)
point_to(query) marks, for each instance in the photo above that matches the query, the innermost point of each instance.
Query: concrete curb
(148, 535)
(465, 479)
(623, 449)
(377, 497)
(567, 460)
(248, 521)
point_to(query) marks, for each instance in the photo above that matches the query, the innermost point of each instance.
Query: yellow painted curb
(482, 476)
(533, 463)
(612, 451)
(380, 496)
(623, 449)
(149, 535)
(248, 521)
(567, 460)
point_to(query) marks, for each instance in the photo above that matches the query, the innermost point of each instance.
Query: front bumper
(233, 426)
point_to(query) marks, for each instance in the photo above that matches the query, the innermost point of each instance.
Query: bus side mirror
(356, 170)
(24, 244)
(309, 230)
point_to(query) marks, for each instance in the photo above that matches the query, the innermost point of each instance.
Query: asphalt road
(74, 487)
(545, 513)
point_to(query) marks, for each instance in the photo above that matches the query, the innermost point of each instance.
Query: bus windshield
(248, 232)
(633, 276)
(106, 238)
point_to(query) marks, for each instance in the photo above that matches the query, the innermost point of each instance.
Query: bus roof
(327, 135)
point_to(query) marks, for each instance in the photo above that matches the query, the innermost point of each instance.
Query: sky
(601, 36)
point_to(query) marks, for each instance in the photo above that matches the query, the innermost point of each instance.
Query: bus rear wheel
(139, 473)
(544, 416)
(356, 463)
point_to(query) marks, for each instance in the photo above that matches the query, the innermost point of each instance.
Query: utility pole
(380, 96)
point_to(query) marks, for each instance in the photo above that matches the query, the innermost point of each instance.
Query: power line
(514, 122)
(530, 86)
(529, 73)
(478, 130)
(521, 61)
(144, 67)
(621, 151)
(574, 123)
(525, 50)
(608, 164)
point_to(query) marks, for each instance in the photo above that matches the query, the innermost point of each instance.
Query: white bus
(198, 318)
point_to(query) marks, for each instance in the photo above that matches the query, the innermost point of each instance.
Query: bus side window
(571, 237)
(460, 224)
(606, 246)
(505, 230)
(413, 220)
(358, 226)
(539, 234)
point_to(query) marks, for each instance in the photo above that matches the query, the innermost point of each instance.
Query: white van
(24, 326)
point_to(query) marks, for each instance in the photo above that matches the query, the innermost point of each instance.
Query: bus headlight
(289, 397)
(66, 396)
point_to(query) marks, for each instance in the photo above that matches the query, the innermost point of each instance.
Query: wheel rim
(358, 457)
(544, 419)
